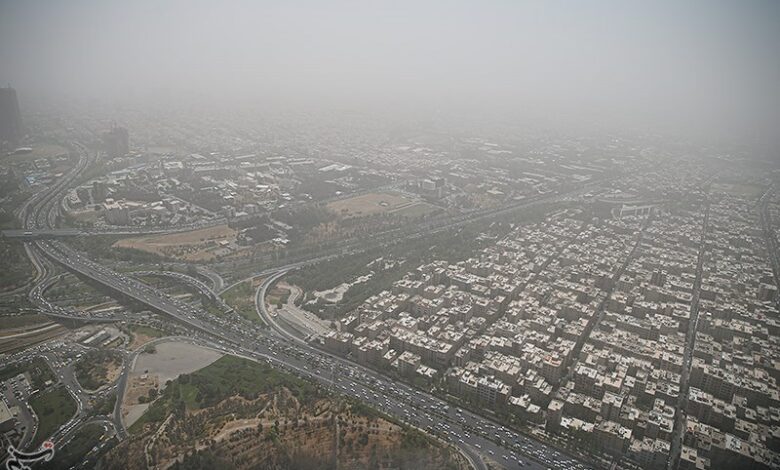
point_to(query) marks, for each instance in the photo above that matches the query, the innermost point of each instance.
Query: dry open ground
(369, 204)
(192, 246)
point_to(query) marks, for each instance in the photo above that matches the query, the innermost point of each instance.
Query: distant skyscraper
(116, 142)
(10, 116)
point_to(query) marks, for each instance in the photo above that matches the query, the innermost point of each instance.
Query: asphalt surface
(473, 432)
(476, 437)
(690, 340)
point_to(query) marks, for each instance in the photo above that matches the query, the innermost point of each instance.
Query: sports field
(377, 203)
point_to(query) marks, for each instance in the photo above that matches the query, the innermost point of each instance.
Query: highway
(295, 355)
(217, 282)
(476, 437)
(461, 426)
(46, 233)
(690, 340)
(200, 286)
(769, 235)
(60, 358)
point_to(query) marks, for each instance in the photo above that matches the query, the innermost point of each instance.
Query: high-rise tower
(10, 117)
(116, 142)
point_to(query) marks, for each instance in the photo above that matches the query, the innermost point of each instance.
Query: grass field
(242, 298)
(53, 408)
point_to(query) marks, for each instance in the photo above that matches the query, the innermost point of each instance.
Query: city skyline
(525, 235)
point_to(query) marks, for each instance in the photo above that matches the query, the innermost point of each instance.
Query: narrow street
(690, 340)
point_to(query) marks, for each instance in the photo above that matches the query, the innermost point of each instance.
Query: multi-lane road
(475, 433)
(769, 235)
(475, 436)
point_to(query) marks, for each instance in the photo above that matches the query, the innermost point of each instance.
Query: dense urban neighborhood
(536, 303)
(535, 235)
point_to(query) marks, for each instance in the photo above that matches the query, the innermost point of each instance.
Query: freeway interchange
(475, 436)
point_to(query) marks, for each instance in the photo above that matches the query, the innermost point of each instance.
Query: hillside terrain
(238, 414)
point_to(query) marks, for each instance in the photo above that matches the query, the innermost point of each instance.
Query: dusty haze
(702, 66)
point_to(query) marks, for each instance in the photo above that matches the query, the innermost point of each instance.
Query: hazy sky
(712, 63)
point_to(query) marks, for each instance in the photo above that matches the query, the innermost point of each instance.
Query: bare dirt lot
(173, 359)
(141, 335)
(369, 204)
(196, 245)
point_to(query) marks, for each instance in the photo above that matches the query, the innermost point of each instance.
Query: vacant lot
(196, 245)
(174, 358)
(369, 204)
(143, 334)
(153, 370)
(53, 408)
